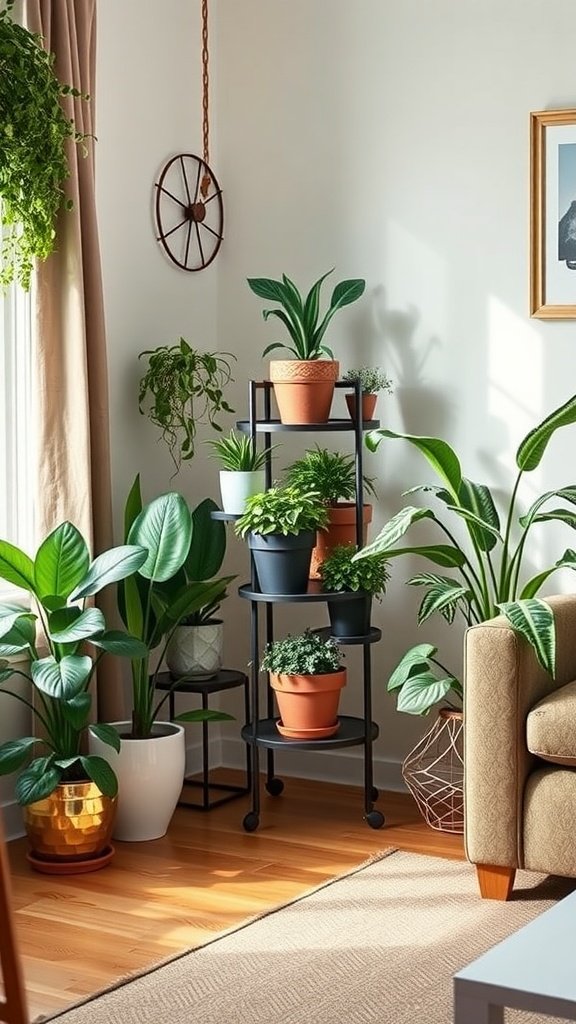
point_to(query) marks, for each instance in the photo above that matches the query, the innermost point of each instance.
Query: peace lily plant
(60, 581)
(487, 566)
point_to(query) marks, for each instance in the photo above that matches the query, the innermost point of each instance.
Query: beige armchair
(520, 753)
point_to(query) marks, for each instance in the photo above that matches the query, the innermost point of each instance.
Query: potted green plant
(281, 525)
(196, 645)
(242, 473)
(182, 388)
(361, 580)
(307, 676)
(333, 476)
(371, 380)
(152, 602)
(35, 133)
(304, 385)
(68, 797)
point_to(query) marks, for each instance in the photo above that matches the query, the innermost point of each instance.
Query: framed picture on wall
(553, 214)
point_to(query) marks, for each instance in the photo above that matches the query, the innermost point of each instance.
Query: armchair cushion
(551, 726)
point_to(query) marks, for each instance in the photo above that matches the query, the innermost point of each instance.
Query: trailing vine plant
(34, 134)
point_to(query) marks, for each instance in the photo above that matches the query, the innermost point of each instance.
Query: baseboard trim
(12, 818)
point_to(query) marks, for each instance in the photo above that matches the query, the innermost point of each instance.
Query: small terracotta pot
(368, 403)
(308, 705)
(341, 530)
(304, 388)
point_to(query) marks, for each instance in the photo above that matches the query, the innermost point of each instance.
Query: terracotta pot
(304, 388)
(368, 405)
(341, 530)
(308, 705)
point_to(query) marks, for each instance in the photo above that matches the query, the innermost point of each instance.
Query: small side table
(226, 679)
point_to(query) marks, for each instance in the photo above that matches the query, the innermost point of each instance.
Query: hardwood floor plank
(80, 933)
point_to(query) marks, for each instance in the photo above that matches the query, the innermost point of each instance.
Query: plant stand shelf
(226, 679)
(261, 732)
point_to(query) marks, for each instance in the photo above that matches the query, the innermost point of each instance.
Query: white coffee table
(533, 969)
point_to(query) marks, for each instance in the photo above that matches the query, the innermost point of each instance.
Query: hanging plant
(34, 133)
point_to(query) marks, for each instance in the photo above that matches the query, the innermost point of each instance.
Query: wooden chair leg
(13, 1008)
(495, 882)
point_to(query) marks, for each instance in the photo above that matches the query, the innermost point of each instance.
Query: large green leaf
(531, 588)
(61, 679)
(415, 660)
(294, 330)
(101, 773)
(107, 734)
(534, 620)
(133, 506)
(421, 692)
(393, 530)
(110, 567)
(22, 634)
(567, 493)
(61, 562)
(441, 554)
(114, 641)
(439, 454)
(16, 567)
(443, 595)
(312, 305)
(479, 526)
(534, 445)
(11, 617)
(208, 545)
(37, 781)
(478, 499)
(64, 628)
(164, 528)
(76, 710)
(192, 598)
(343, 294)
(15, 753)
(206, 715)
(267, 288)
(560, 515)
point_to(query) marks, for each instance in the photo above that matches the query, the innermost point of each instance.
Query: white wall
(389, 141)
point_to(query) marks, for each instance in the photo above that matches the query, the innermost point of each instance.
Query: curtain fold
(71, 377)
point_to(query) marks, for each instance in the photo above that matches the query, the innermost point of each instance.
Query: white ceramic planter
(196, 650)
(150, 775)
(236, 487)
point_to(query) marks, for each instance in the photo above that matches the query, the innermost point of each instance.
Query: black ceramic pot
(351, 616)
(282, 563)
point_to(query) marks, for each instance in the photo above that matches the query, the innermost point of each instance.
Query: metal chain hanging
(188, 207)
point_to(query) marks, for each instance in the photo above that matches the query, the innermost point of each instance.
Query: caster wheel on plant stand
(251, 822)
(274, 786)
(375, 819)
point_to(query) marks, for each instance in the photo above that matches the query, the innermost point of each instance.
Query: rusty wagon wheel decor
(189, 212)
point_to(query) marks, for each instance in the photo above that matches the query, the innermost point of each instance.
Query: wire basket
(434, 773)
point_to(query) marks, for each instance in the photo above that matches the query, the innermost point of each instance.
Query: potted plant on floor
(487, 565)
(69, 797)
(196, 645)
(152, 602)
(33, 122)
(281, 525)
(362, 580)
(242, 474)
(304, 385)
(372, 380)
(182, 388)
(307, 676)
(333, 476)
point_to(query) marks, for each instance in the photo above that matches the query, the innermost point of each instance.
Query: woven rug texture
(380, 944)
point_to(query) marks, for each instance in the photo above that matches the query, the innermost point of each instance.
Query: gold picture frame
(553, 214)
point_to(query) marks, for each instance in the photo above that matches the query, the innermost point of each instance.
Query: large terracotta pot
(304, 388)
(73, 824)
(308, 705)
(341, 530)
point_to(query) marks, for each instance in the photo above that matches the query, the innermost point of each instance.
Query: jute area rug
(380, 944)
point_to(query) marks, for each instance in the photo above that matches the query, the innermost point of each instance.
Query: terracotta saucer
(308, 734)
(71, 867)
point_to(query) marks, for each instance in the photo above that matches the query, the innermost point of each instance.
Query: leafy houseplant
(281, 525)
(304, 386)
(366, 579)
(371, 380)
(488, 565)
(307, 676)
(60, 580)
(35, 132)
(184, 387)
(333, 475)
(242, 473)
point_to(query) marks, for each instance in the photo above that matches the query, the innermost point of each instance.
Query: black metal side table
(226, 679)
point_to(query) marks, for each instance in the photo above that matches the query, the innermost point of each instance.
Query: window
(16, 437)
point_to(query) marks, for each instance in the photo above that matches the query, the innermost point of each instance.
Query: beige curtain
(71, 380)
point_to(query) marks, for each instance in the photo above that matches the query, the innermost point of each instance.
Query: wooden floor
(81, 933)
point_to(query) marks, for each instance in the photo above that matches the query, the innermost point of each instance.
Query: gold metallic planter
(74, 822)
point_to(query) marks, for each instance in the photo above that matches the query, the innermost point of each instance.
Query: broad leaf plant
(486, 576)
